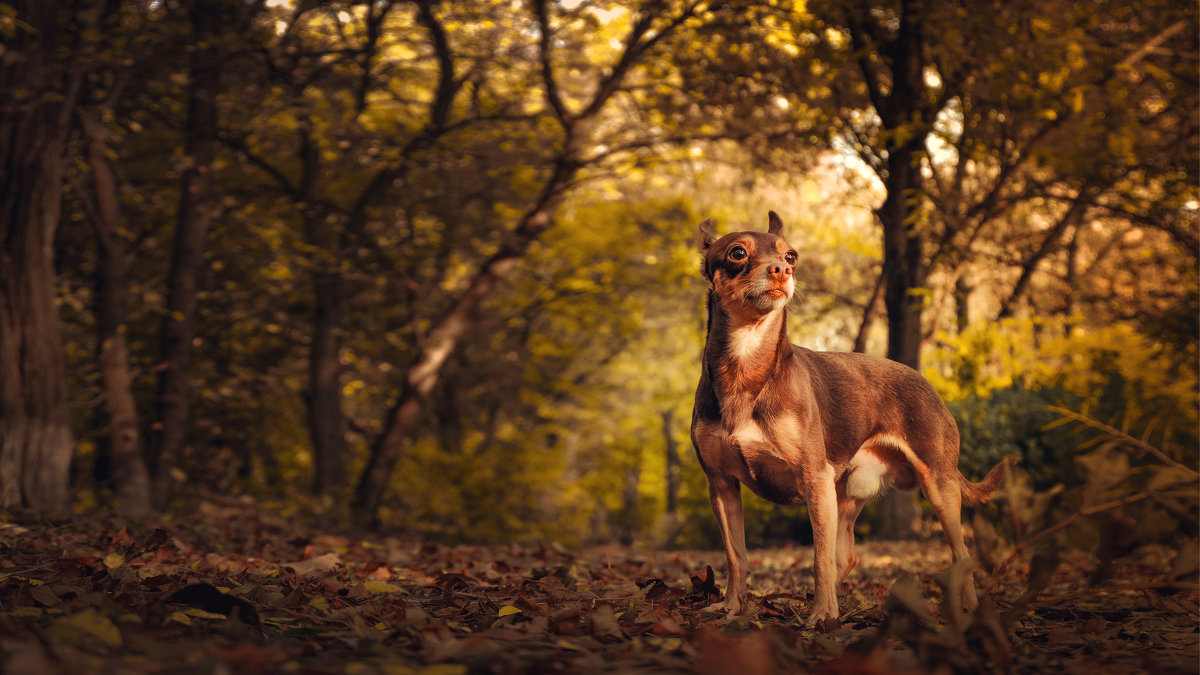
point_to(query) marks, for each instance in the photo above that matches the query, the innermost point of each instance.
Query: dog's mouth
(775, 293)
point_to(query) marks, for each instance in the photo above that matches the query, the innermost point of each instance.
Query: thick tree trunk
(36, 442)
(905, 117)
(195, 213)
(903, 272)
(326, 420)
(127, 465)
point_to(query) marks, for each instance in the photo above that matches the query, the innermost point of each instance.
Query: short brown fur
(795, 425)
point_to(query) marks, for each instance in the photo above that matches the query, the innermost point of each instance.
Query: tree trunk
(904, 117)
(868, 317)
(126, 463)
(36, 442)
(326, 420)
(962, 303)
(671, 447)
(630, 522)
(195, 213)
(422, 376)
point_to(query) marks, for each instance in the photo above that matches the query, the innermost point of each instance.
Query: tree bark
(127, 465)
(195, 213)
(671, 448)
(868, 317)
(630, 521)
(962, 303)
(36, 441)
(326, 420)
(904, 117)
(906, 120)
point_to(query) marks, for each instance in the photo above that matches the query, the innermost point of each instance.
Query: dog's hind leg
(945, 494)
(848, 510)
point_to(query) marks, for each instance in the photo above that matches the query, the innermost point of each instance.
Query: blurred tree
(127, 463)
(40, 80)
(575, 107)
(209, 18)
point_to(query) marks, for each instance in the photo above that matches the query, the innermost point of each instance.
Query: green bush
(1000, 379)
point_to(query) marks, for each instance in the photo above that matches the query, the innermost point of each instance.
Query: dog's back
(861, 397)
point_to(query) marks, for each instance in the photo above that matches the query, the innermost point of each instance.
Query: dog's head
(749, 271)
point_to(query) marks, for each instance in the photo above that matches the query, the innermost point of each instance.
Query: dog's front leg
(725, 494)
(821, 491)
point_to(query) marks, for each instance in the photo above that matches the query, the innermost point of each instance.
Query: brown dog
(795, 425)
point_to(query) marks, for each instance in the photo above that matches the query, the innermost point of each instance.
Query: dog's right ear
(706, 235)
(774, 224)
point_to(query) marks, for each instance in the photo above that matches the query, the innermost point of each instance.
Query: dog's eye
(790, 257)
(737, 253)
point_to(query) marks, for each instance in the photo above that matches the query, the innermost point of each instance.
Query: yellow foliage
(1039, 353)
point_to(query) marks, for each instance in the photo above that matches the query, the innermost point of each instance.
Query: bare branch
(553, 96)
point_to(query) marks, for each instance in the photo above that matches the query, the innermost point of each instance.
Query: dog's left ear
(775, 224)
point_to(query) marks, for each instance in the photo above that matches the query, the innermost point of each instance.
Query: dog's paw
(732, 607)
(824, 616)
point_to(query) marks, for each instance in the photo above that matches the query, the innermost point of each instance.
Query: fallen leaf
(314, 567)
(84, 628)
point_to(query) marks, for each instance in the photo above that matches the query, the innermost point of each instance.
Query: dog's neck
(741, 353)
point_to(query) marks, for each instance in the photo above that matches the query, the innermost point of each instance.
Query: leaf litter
(233, 590)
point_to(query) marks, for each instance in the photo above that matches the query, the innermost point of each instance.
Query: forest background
(432, 266)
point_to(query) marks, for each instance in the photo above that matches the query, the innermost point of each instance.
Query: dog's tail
(977, 493)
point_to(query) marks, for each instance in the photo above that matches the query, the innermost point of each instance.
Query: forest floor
(229, 589)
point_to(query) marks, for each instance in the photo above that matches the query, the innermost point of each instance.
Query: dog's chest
(749, 452)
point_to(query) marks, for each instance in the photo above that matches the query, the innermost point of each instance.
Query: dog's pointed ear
(775, 224)
(707, 237)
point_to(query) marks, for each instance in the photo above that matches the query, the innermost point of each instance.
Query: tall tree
(194, 215)
(127, 465)
(575, 120)
(40, 87)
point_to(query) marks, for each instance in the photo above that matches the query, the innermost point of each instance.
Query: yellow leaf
(319, 603)
(86, 627)
(114, 560)
(509, 610)
(376, 586)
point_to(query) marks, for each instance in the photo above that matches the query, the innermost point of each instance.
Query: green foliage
(1001, 378)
